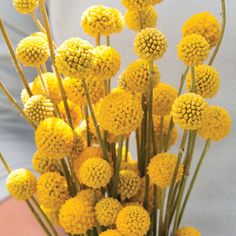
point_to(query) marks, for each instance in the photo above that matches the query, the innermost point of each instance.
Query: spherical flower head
(51, 82)
(153, 2)
(216, 125)
(133, 221)
(110, 232)
(76, 216)
(136, 77)
(161, 169)
(90, 196)
(188, 231)
(25, 6)
(207, 81)
(164, 96)
(129, 183)
(205, 24)
(193, 50)
(150, 44)
(42, 164)
(106, 62)
(136, 4)
(118, 20)
(21, 184)
(24, 96)
(40, 34)
(120, 113)
(140, 19)
(95, 173)
(78, 144)
(52, 214)
(107, 210)
(32, 51)
(129, 165)
(52, 190)
(74, 57)
(54, 138)
(189, 111)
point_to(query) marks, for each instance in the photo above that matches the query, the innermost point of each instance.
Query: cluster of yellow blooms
(87, 178)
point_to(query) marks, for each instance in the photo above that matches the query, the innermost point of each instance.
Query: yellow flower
(38, 108)
(95, 173)
(156, 1)
(205, 24)
(90, 196)
(76, 216)
(193, 49)
(42, 164)
(118, 20)
(189, 111)
(106, 62)
(74, 57)
(207, 81)
(161, 169)
(40, 34)
(140, 19)
(120, 113)
(164, 96)
(129, 183)
(25, 6)
(78, 144)
(24, 96)
(217, 124)
(150, 44)
(32, 51)
(107, 210)
(188, 231)
(52, 86)
(110, 232)
(52, 214)
(133, 221)
(21, 184)
(54, 138)
(136, 4)
(136, 77)
(52, 190)
(129, 165)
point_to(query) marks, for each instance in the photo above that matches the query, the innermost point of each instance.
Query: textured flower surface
(150, 44)
(78, 144)
(193, 50)
(188, 231)
(133, 221)
(110, 232)
(90, 196)
(189, 111)
(52, 190)
(24, 96)
(217, 124)
(118, 20)
(161, 169)
(207, 81)
(21, 184)
(25, 6)
(136, 4)
(205, 24)
(52, 214)
(54, 138)
(156, 1)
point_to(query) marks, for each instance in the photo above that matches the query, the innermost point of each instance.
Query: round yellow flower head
(21, 184)
(189, 111)
(78, 144)
(95, 173)
(110, 232)
(76, 216)
(120, 113)
(40, 34)
(136, 4)
(38, 108)
(75, 90)
(52, 214)
(161, 169)
(217, 124)
(207, 81)
(188, 231)
(32, 51)
(205, 24)
(164, 96)
(140, 19)
(106, 62)
(52, 86)
(118, 20)
(129, 183)
(74, 57)
(25, 6)
(107, 210)
(90, 196)
(135, 78)
(52, 190)
(193, 50)
(165, 128)
(133, 221)
(42, 164)
(24, 96)
(129, 165)
(54, 138)
(150, 44)
(156, 1)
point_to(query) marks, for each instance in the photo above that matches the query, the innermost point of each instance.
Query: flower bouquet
(89, 183)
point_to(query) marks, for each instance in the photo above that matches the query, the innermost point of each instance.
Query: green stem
(193, 87)
(143, 134)
(37, 22)
(86, 113)
(137, 137)
(7, 167)
(161, 212)
(98, 39)
(108, 39)
(126, 149)
(161, 134)
(155, 210)
(182, 80)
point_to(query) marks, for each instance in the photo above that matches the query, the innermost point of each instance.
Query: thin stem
(193, 87)
(126, 149)
(163, 193)
(155, 210)
(45, 70)
(7, 167)
(98, 39)
(108, 39)
(42, 81)
(154, 144)
(182, 80)
(137, 137)
(161, 134)
(37, 22)
(86, 113)
(221, 34)
(143, 134)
